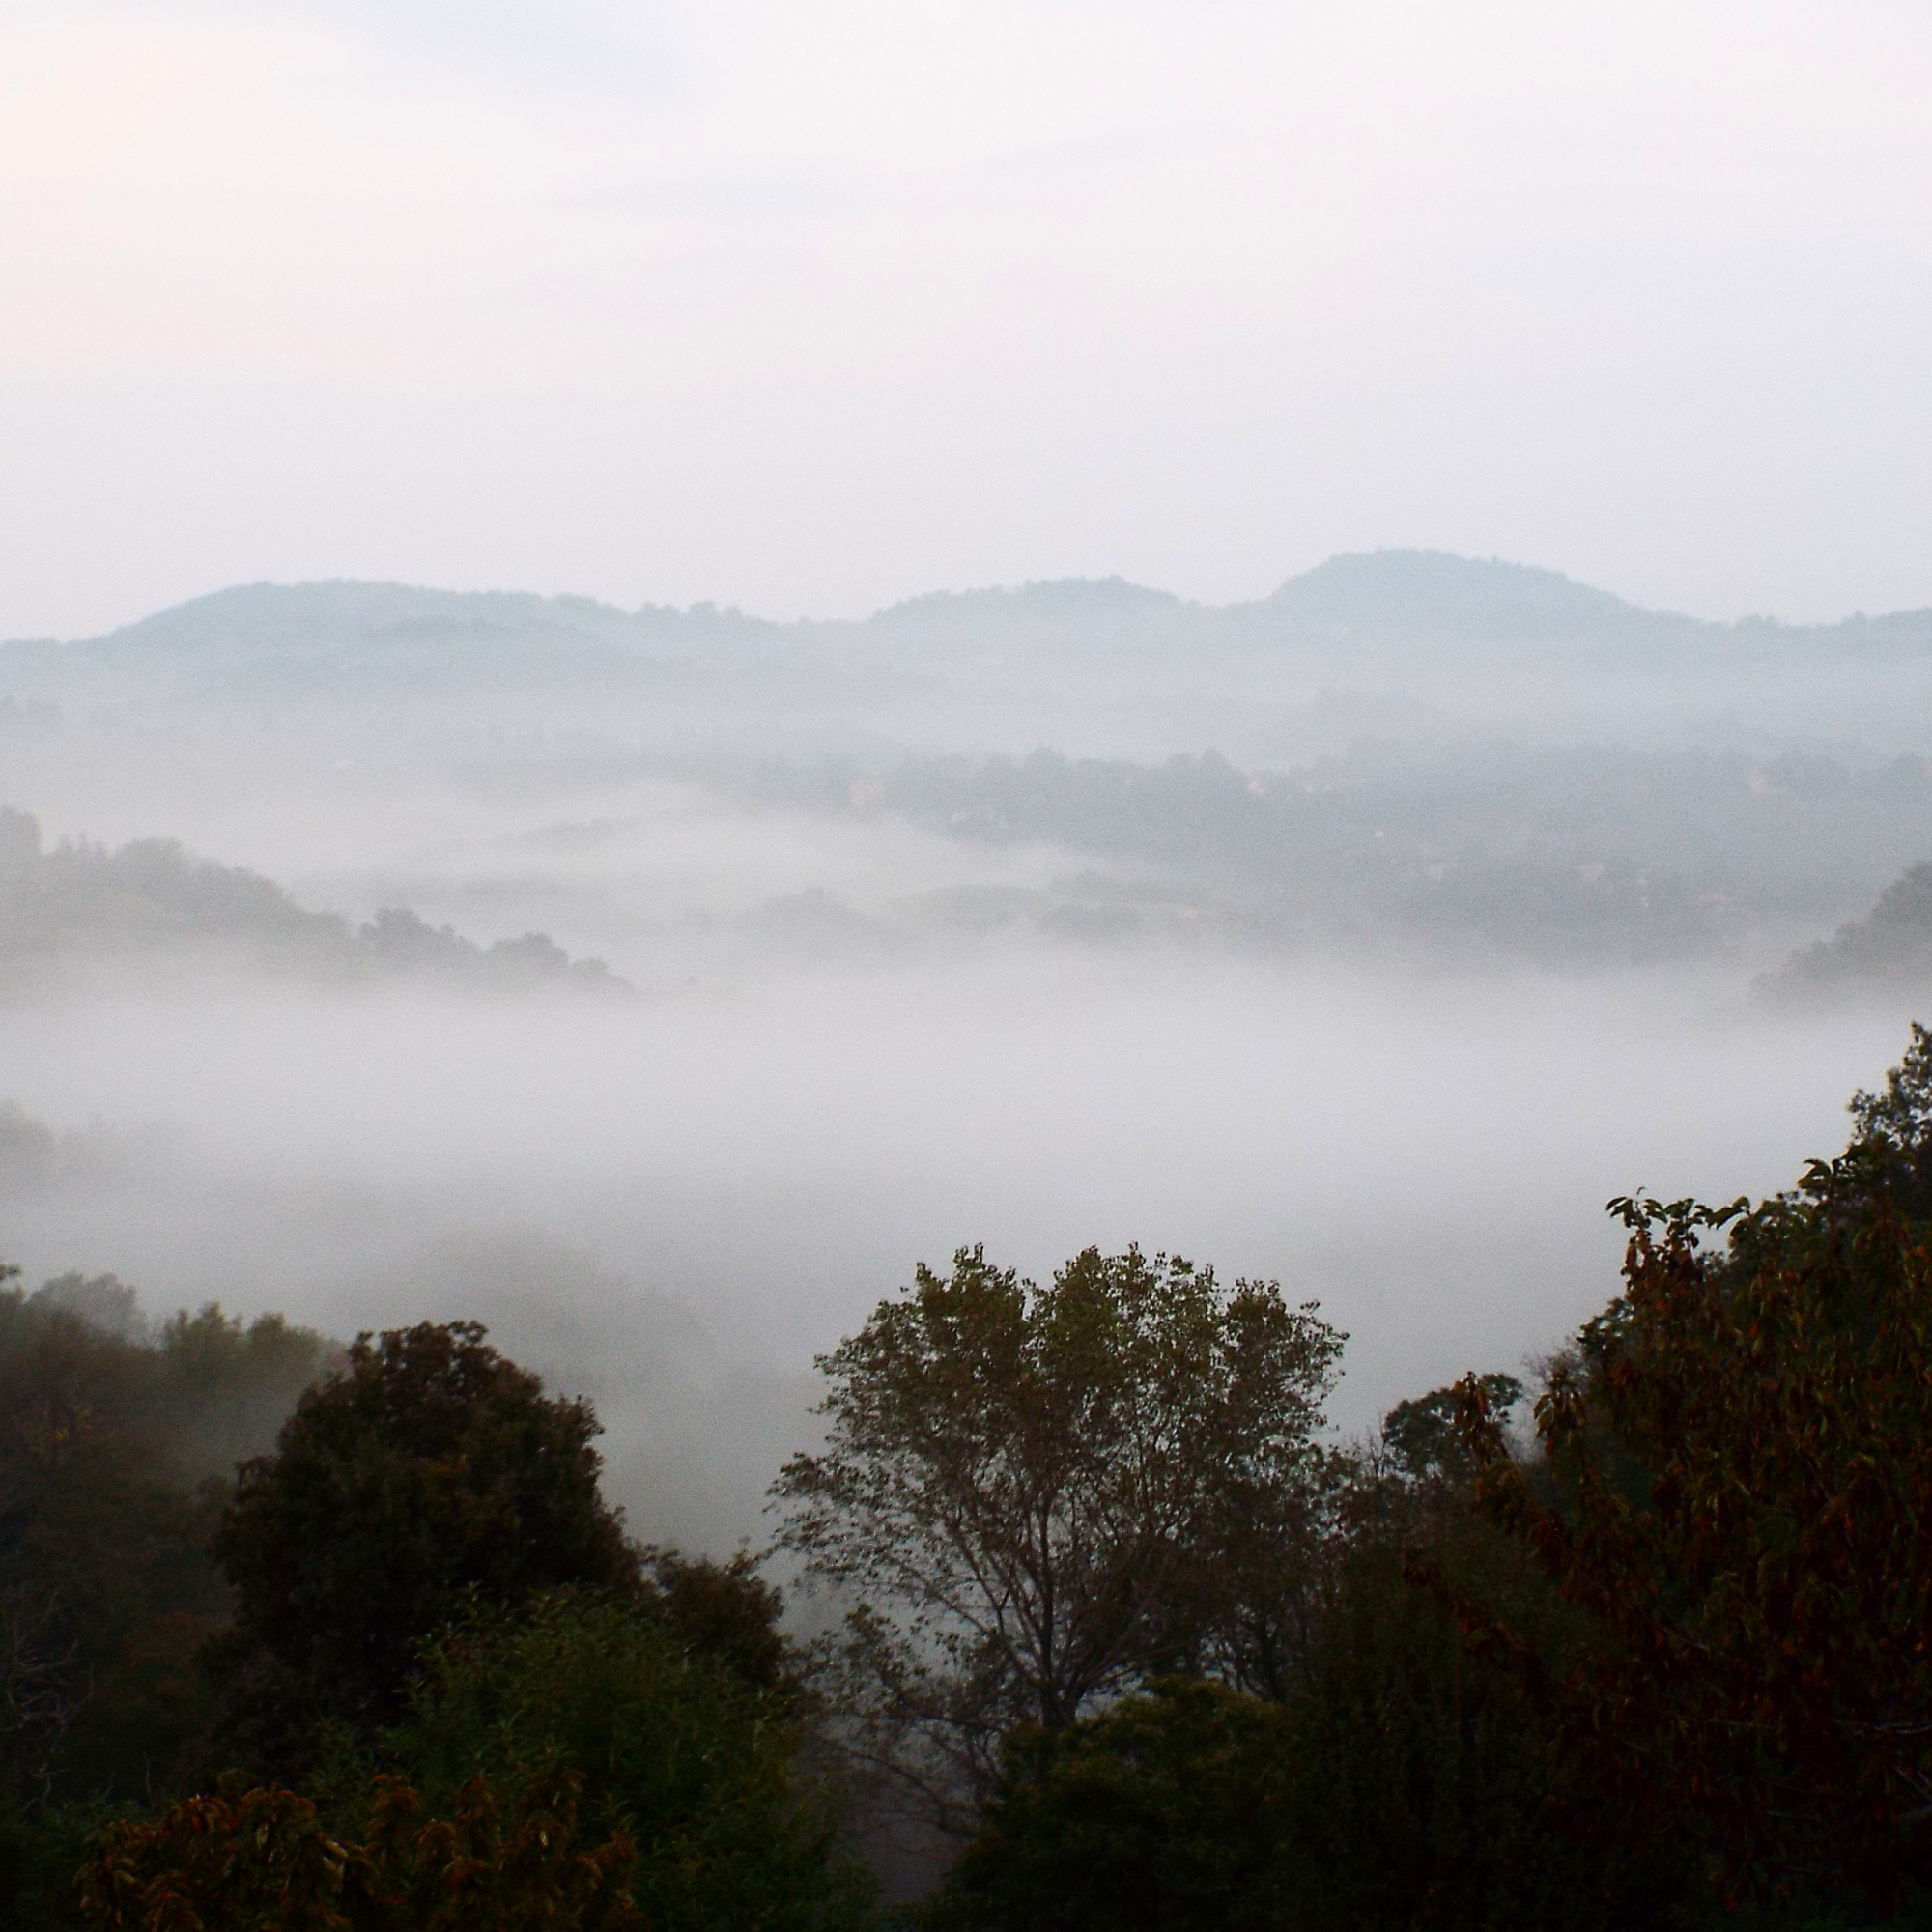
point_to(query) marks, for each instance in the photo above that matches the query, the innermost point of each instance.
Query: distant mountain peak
(1423, 590)
(268, 613)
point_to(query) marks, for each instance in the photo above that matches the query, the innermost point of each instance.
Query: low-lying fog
(1389, 1022)
(672, 1204)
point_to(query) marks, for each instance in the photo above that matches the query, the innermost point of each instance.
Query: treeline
(306, 1636)
(152, 911)
(404, 1670)
(1577, 854)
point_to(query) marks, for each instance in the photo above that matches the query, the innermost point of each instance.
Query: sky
(810, 307)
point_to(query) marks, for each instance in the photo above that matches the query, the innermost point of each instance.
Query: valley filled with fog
(659, 987)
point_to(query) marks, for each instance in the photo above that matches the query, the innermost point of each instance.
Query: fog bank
(672, 1204)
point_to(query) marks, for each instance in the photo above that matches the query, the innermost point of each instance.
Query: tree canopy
(115, 1441)
(1735, 1468)
(1027, 1487)
(430, 1471)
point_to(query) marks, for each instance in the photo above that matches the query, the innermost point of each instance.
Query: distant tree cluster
(150, 909)
(1465, 850)
(1889, 951)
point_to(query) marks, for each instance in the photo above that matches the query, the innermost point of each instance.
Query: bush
(1166, 1812)
(430, 1472)
(701, 1772)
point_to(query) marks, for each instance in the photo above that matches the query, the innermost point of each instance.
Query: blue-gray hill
(1517, 643)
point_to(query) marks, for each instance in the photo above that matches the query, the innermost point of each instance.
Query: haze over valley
(965, 968)
(659, 986)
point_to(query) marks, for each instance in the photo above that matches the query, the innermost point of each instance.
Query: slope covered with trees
(150, 915)
(1476, 850)
(1888, 953)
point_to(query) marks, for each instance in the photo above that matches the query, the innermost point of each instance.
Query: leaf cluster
(263, 1861)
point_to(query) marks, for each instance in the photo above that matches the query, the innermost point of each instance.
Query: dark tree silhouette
(430, 1472)
(1737, 1468)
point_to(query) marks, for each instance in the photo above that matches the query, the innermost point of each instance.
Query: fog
(1366, 938)
(1394, 1040)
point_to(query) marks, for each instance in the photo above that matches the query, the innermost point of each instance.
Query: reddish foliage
(263, 1862)
(1737, 1490)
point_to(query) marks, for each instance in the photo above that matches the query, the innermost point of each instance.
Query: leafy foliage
(110, 1451)
(1423, 1791)
(1421, 1432)
(724, 1612)
(262, 1860)
(1740, 1455)
(700, 1771)
(1166, 1811)
(428, 1472)
(1891, 1136)
(1399, 1782)
(1041, 1494)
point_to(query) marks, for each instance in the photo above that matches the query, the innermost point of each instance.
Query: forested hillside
(150, 915)
(1885, 953)
(1489, 853)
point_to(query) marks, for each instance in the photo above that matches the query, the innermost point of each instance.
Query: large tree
(430, 1472)
(1041, 1495)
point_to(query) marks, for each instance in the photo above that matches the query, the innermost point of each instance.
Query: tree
(1041, 1496)
(1421, 1433)
(1422, 1789)
(115, 1441)
(724, 1612)
(430, 1471)
(1397, 1782)
(1737, 1463)
(1891, 1134)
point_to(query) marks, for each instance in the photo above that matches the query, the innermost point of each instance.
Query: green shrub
(701, 1771)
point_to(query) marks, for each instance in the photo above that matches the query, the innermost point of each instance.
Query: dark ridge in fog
(1579, 856)
(1885, 955)
(80, 910)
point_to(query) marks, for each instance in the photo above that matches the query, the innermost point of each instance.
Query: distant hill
(1068, 618)
(317, 637)
(153, 915)
(1889, 951)
(1500, 646)
(1425, 594)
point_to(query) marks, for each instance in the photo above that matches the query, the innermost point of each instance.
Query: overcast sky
(810, 305)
